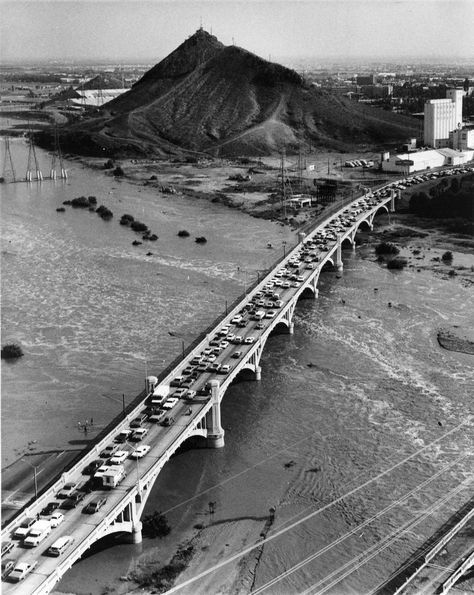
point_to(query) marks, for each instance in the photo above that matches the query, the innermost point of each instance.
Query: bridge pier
(215, 432)
(392, 200)
(258, 372)
(339, 264)
(291, 328)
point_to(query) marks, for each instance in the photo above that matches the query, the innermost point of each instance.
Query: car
(168, 421)
(211, 358)
(179, 394)
(7, 547)
(156, 417)
(249, 340)
(214, 367)
(21, 570)
(95, 505)
(224, 344)
(188, 370)
(92, 467)
(48, 509)
(7, 566)
(238, 339)
(237, 354)
(225, 369)
(57, 517)
(123, 436)
(230, 337)
(170, 403)
(109, 451)
(270, 314)
(72, 501)
(140, 452)
(203, 367)
(23, 529)
(139, 434)
(259, 326)
(190, 394)
(139, 420)
(242, 324)
(66, 490)
(119, 457)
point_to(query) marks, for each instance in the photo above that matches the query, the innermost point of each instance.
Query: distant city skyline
(148, 30)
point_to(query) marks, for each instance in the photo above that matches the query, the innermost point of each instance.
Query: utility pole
(8, 163)
(283, 192)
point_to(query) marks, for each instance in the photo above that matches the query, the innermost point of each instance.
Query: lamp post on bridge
(284, 248)
(138, 469)
(35, 476)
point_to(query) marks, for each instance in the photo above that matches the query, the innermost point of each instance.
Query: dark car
(168, 421)
(73, 500)
(7, 566)
(49, 508)
(7, 547)
(92, 467)
(95, 505)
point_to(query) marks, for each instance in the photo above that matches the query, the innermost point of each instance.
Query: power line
(378, 547)
(316, 512)
(359, 527)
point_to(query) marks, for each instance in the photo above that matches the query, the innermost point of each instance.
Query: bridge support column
(215, 432)
(136, 535)
(258, 372)
(339, 264)
(291, 328)
(392, 200)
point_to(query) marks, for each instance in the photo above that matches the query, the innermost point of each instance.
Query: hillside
(209, 98)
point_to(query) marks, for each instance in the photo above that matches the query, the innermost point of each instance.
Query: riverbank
(457, 339)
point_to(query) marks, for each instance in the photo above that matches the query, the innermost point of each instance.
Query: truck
(113, 476)
(159, 396)
(39, 531)
(259, 315)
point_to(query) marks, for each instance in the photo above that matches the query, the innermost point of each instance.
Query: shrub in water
(118, 171)
(386, 248)
(447, 256)
(397, 263)
(138, 226)
(183, 233)
(104, 212)
(11, 351)
(201, 240)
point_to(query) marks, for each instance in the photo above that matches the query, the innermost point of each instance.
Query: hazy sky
(150, 29)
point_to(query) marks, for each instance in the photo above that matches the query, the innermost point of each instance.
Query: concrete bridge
(126, 502)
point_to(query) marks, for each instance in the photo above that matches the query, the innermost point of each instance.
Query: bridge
(294, 277)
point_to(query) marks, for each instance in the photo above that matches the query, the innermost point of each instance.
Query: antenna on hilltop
(233, 42)
(200, 23)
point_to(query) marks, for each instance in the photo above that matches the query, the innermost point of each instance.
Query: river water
(358, 387)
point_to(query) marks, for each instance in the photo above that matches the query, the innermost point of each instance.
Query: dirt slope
(209, 98)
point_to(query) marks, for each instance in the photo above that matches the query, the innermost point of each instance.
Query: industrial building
(442, 116)
(407, 163)
(462, 139)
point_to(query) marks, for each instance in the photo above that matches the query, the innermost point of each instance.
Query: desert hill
(209, 98)
(102, 81)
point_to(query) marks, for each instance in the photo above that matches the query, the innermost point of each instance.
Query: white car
(140, 452)
(21, 570)
(56, 519)
(119, 457)
(249, 340)
(170, 403)
(225, 369)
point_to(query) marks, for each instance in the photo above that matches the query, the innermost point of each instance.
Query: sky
(148, 30)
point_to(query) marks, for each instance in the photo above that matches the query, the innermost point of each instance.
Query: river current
(357, 388)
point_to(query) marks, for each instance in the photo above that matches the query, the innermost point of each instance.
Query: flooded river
(358, 387)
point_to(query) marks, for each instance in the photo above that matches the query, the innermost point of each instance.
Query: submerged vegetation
(11, 351)
(386, 248)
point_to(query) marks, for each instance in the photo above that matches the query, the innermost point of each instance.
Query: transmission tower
(32, 157)
(57, 156)
(8, 167)
(285, 184)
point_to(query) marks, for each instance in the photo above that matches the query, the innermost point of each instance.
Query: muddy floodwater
(359, 386)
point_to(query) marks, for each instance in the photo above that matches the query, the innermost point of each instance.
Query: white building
(97, 97)
(407, 163)
(462, 139)
(442, 116)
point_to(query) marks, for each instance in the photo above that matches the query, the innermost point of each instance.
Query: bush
(92, 200)
(138, 226)
(201, 240)
(60, 210)
(447, 256)
(104, 212)
(118, 171)
(11, 351)
(126, 219)
(183, 233)
(386, 248)
(81, 202)
(156, 525)
(108, 164)
(397, 263)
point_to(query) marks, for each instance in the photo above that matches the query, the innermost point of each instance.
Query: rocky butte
(208, 98)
